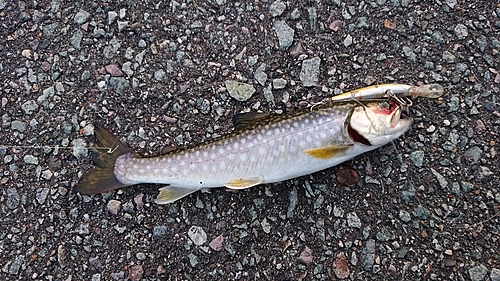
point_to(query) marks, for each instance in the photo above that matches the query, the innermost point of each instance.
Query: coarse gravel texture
(157, 73)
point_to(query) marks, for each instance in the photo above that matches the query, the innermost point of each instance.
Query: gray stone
(81, 17)
(17, 125)
(417, 157)
(293, 203)
(277, 8)
(193, 260)
(461, 31)
(279, 83)
(119, 84)
(404, 216)
(451, 3)
(111, 49)
(76, 39)
(353, 220)
(62, 256)
(295, 14)
(368, 255)
(197, 235)
(409, 53)
(113, 206)
(252, 60)
(285, 34)
(477, 273)
(384, 235)
(13, 198)
(260, 75)
(449, 57)
(265, 225)
(159, 230)
(112, 15)
(30, 159)
(408, 195)
(473, 153)
(481, 42)
(29, 107)
(309, 74)
(421, 212)
(15, 266)
(159, 75)
(361, 22)
(454, 104)
(348, 40)
(495, 274)
(268, 94)
(313, 17)
(441, 180)
(48, 30)
(437, 36)
(41, 195)
(79, 148)
(122, 25)
(239, 91)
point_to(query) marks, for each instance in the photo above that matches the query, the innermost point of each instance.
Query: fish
(263, 148)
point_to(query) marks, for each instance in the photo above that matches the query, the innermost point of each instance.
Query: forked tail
(101, 178)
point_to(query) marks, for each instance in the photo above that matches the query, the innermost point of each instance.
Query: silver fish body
(263, 148)
(268, 153)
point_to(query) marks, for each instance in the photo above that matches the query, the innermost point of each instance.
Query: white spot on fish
(222, 165)
(243, 157)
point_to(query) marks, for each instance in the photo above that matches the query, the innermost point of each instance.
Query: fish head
(377, 123)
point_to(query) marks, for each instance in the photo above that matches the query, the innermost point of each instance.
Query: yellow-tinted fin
(101, 178)
(244, 120)
(327, 152)
(169, 194)
(243, 183)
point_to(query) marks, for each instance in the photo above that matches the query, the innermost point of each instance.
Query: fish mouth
(375, 125)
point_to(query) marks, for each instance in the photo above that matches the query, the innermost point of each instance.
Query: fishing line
(109, 149)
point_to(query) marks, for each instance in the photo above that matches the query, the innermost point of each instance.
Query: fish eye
(385, 105)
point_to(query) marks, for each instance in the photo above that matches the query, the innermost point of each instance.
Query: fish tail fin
(101, 178)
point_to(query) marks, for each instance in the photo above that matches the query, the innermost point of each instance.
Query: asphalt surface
(163, 73)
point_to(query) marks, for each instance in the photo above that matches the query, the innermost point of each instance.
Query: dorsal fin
(246, 119)
(168, 148)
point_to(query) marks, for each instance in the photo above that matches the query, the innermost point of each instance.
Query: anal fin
(169, 194)
(327, 152)
(244, 183)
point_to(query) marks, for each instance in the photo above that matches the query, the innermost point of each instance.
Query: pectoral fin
(169, 194)
(327, 152)
(243, 183)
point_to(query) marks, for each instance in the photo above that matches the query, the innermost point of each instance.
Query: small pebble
(306, 256)
(197, 235)
(239, 91)
(114, 206)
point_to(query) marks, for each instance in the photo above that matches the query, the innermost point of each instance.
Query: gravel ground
(175, 72)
